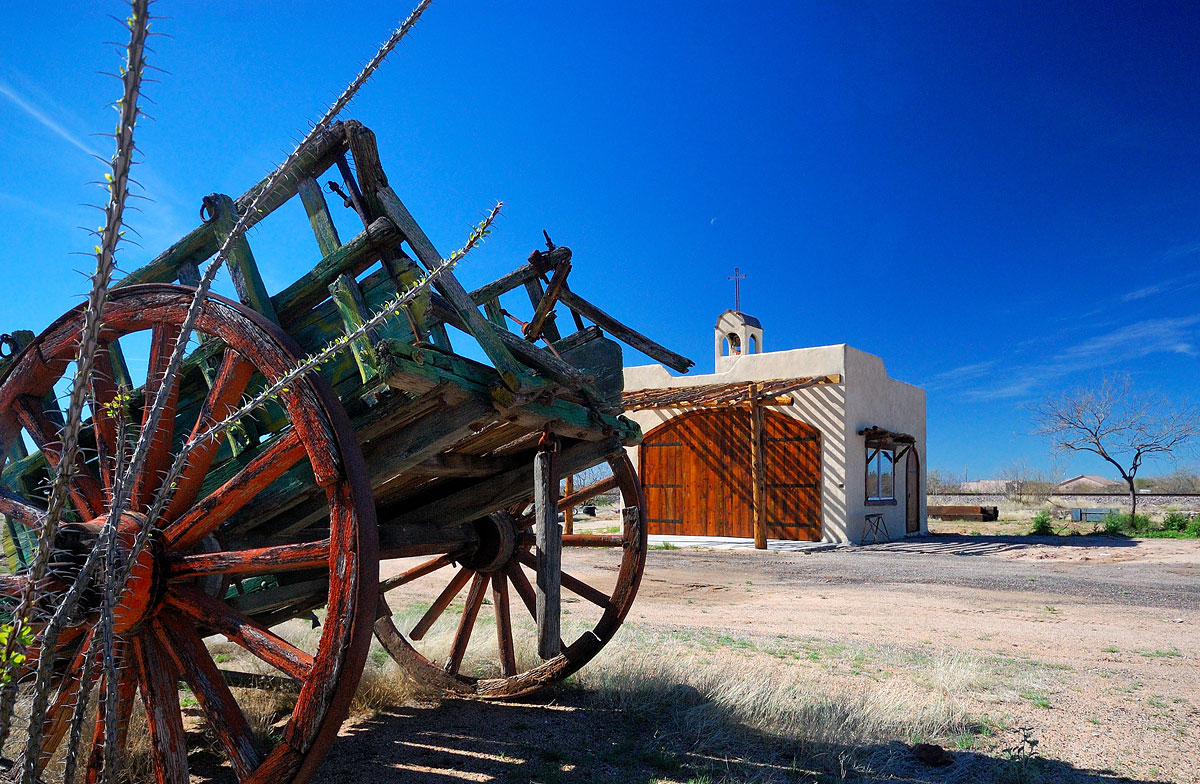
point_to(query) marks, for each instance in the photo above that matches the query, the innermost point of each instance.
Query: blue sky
(1001, 200)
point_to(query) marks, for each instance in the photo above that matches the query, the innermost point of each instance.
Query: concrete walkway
(737, 543)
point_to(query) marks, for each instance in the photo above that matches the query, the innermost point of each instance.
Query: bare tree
(939, 480)
(1180, 480)
(1119, 423)
(1026, 483)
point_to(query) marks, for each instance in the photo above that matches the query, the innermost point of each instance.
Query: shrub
(1121, 523)
(1176, 521)
(1193, 527)
(1041, 524)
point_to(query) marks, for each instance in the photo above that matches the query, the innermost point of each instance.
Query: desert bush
(1041, 524)
(1126, 523)
(1176, 521)
(1113, 524)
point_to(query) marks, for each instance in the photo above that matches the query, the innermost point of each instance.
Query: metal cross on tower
(737, 277)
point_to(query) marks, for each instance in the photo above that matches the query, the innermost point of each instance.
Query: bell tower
(736, 334)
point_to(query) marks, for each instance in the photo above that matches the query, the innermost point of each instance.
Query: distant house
(1086, 483)
(985, 486)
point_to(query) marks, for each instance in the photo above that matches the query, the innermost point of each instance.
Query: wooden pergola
(754, 394)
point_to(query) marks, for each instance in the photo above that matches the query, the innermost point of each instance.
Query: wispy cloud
(1005, 389)
(1180, 251)
(1127, 343)
(1171, 285)
(26, 105)
(1134, 341)
(961, 374)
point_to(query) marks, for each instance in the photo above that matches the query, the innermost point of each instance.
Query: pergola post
(757, 469)
(569, 512)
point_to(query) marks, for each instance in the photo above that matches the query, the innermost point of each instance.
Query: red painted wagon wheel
(503, 565)
(170, 602)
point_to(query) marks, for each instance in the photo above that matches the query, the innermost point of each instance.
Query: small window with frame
(881, 474)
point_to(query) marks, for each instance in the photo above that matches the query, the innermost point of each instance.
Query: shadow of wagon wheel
(567, 737)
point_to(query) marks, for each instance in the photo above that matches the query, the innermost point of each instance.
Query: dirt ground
(1087, 645)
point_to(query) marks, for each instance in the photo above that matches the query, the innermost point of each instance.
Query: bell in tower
(736, 334)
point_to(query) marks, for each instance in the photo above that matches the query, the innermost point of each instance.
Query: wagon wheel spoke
(420, 570)
(205, 611)
(158, 459)
(104, 392)
(572, 584)
(16, 508)
(11, 585)
(523, 588)
(217, 507)
(84, 489)
(159, 682)
(244, 563)
(466, 624)
(58, 717)
(441, 603)
(504, 634)
(230, 382)
(163, 617)
(126, 687)
(225, 717)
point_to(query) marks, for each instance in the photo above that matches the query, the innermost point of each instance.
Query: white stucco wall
(874, 399)
(866, 397)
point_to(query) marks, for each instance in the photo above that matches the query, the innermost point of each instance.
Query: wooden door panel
(698, 476)
(792, 462)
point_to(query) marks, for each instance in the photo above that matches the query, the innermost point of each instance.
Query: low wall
(1148, 503)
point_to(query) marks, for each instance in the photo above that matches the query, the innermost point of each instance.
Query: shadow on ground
(990, 544)
(567, 739)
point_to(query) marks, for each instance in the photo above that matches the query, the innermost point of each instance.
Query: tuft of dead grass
(710, 702)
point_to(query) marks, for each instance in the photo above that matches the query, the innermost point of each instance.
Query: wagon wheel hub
(497, 546)
(139, 594)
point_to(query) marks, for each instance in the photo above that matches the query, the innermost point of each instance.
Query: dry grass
(711, 703)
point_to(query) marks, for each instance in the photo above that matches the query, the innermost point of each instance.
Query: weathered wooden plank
(474, 323)
(313, 159)
(318, 216)
(352, 307)
(247, 280)
(623, 333)
(532, 356)
(350, 259)
(477, 499)
(548, 548)
(494, 312)
(542, 322)
(540, 262)
(196, 246)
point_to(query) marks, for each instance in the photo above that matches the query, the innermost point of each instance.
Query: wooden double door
(699, 479)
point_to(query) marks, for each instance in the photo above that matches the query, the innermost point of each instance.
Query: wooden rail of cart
(400, 449)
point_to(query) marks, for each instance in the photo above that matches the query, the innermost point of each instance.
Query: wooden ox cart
(400, 449)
